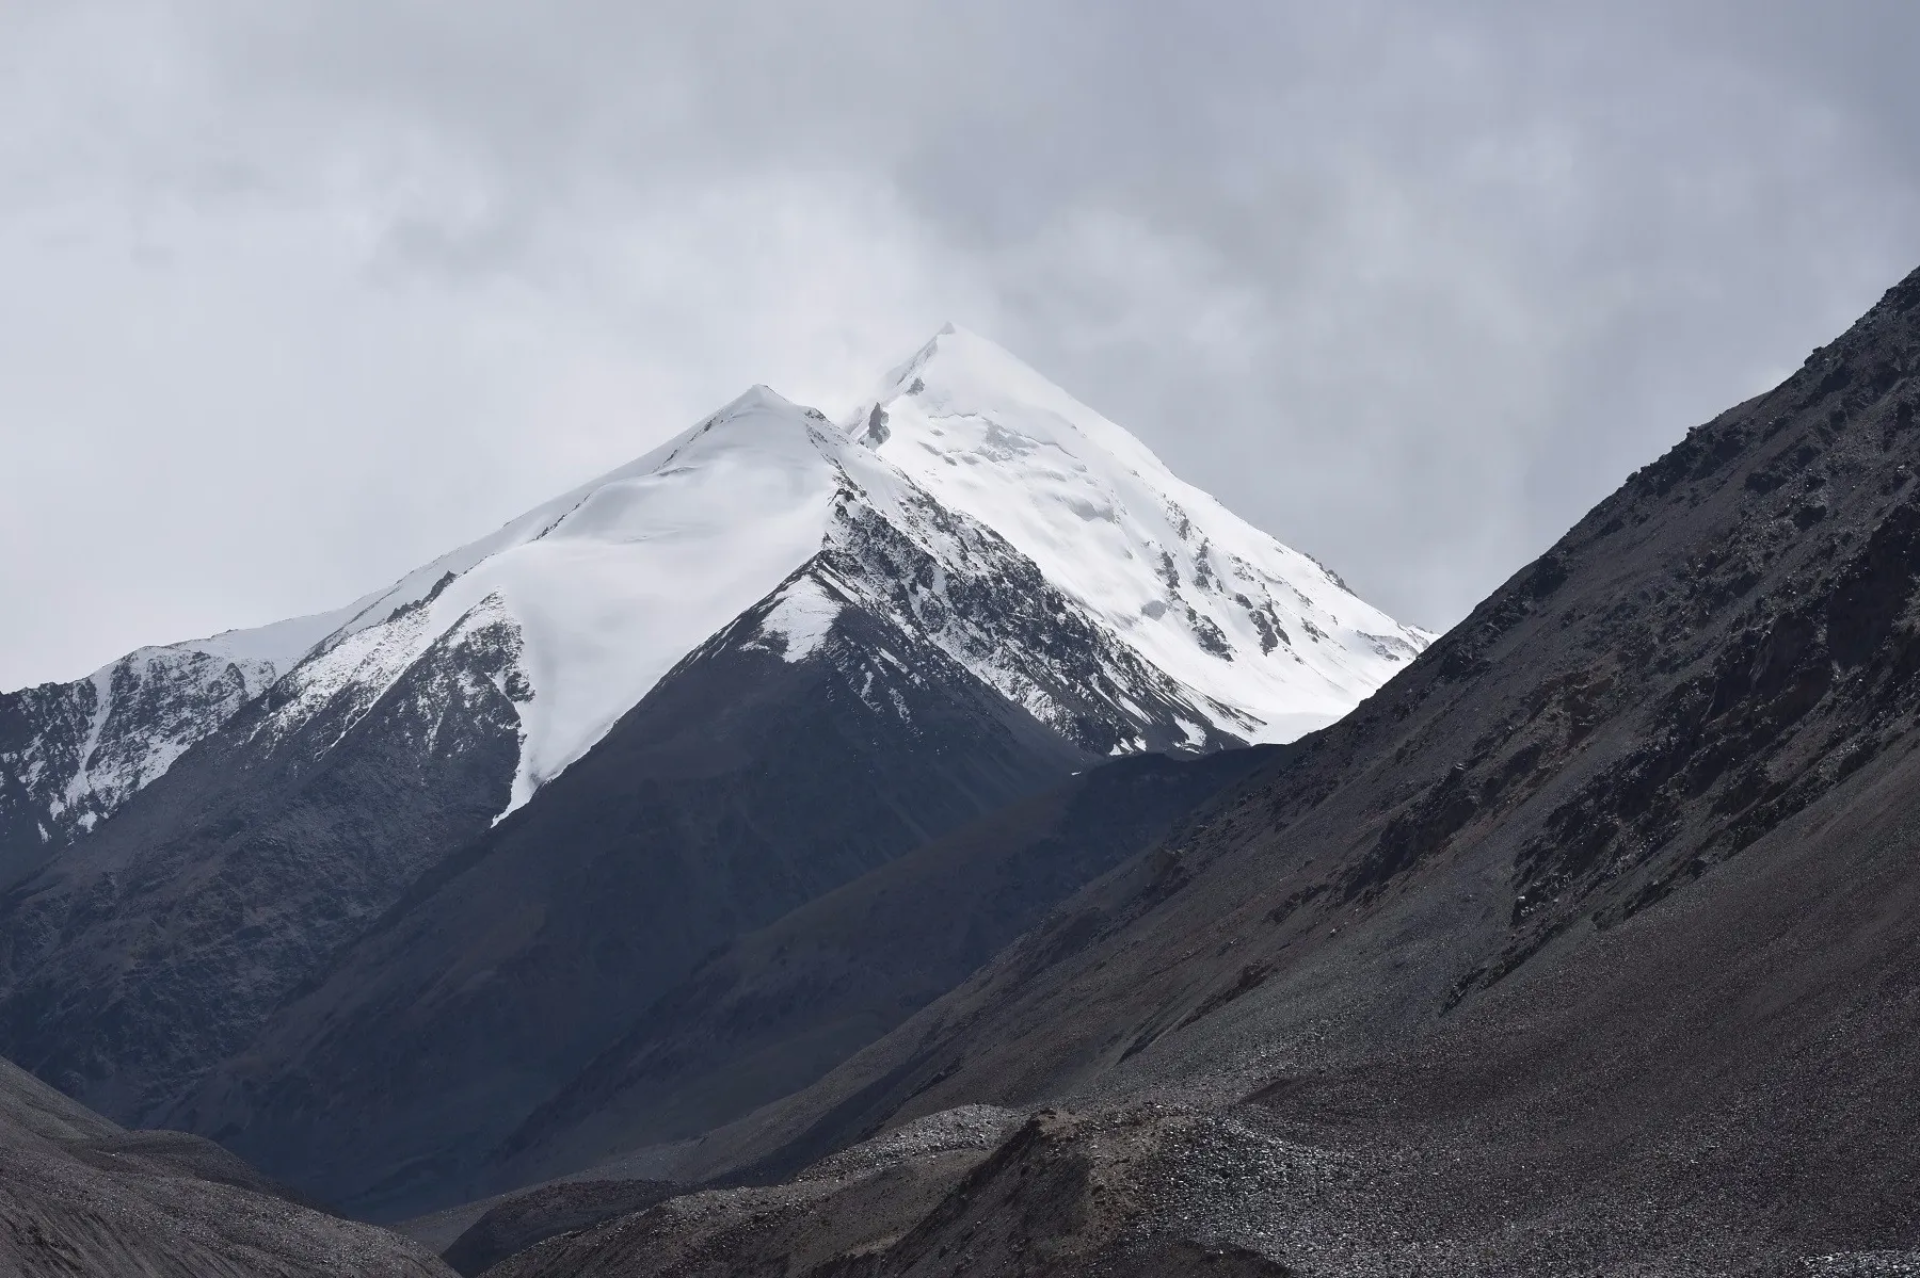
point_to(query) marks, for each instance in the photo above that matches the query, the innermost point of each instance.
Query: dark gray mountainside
(80, 1196)
(1590, 944)
(779, 1007)
(72, 753)
(742, 786)
(156, 946)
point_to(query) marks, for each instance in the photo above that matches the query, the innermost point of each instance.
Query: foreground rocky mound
(1590, 944)
(1060, 1194)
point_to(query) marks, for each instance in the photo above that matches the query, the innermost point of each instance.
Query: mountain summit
(1266, 639)
(1198, 629)
(606, 586)
(443, 847)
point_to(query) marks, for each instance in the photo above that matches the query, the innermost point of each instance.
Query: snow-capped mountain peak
(595, 595)
(972, 506)
(1222, 607)
(876, 632)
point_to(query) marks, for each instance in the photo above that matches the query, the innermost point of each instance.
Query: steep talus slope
(1585, 945)
(1739, 1056)
(1062, 1194)
(79, 1196)
(27, 1104)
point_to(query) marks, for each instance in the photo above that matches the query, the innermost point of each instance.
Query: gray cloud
(299, 295)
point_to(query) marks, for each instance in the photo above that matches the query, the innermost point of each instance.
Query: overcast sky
(296, 296)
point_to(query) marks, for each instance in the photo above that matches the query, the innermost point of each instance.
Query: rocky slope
(80, 1196)
(1585, 946)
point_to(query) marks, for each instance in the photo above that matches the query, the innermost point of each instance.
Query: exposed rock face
(71, 754)
(159, 943)
(1586, 945)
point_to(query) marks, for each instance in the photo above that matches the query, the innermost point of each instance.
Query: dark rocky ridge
(526, 1220)
(103, 732)
(156, 946)
(1586, 945)
(1000, 613)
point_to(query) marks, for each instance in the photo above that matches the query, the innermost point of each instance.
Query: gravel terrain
(80, 1197)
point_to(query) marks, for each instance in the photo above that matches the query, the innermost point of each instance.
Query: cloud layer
(298, 296)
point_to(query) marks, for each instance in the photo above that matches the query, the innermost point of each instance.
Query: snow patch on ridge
(608, 586)
(83, 784)
(802, 617)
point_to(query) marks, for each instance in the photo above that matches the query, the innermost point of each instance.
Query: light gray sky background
(295, 296)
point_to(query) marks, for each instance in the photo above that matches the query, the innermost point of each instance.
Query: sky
(295, 297)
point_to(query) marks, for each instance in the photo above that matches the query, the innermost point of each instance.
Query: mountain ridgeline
(360, 894)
